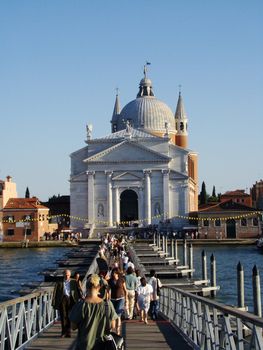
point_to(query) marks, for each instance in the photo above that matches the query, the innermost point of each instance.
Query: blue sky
(61, 60)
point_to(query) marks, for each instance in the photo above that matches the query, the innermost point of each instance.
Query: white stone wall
(78, 203)
(129, 164)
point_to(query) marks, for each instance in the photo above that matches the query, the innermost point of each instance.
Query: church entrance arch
(129, 206)
(231, 228)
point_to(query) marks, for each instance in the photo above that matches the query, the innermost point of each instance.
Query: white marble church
(141, 173)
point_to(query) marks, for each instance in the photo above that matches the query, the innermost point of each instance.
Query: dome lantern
(145, 87)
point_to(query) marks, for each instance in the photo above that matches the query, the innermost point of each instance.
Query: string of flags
(163, 216)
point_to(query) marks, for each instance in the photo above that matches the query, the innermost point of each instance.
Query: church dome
(149, 113)
(146, 111)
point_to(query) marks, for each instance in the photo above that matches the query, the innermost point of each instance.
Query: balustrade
(210, 325)
(23, 318)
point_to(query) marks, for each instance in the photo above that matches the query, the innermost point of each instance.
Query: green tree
(203, 195)
(214, 192)
(214, 197)
(27, 194)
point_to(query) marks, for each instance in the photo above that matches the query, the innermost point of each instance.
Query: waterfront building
(141, 173)
(257, 194)
(227, 219)
(7, 190)
(237, 196)
(24, 218)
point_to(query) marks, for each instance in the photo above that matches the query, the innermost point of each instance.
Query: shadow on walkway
(155, 335)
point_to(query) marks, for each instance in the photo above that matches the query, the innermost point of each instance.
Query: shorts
(118, 305)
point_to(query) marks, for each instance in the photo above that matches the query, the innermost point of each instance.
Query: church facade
(142, 172)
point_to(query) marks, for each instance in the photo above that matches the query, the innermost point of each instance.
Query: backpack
(158, 289)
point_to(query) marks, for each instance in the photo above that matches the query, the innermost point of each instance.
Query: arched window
(206, 223)
(182, 126)
(255, 221)
(243, 222)
(217, 222)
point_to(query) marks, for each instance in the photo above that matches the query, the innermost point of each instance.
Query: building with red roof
(227, 219)
(24, 218)
(237, 196)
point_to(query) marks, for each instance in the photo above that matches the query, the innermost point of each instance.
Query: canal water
(227, 258)
(19, 266)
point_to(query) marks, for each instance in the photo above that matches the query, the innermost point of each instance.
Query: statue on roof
(128, 126)
(89, 128)
(166, 126)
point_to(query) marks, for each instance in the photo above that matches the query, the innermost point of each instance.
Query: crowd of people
(116, 293)
(62, 236)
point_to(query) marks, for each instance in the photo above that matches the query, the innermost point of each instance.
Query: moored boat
(260, 244)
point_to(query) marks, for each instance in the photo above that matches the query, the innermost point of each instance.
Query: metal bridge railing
(23, 318)
(206, 324)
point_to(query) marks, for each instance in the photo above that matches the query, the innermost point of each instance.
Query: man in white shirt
(156, 285)
(66, 294)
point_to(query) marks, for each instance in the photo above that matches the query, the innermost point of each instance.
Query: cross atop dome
(145, 69)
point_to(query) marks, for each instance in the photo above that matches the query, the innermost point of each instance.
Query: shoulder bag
(112, 341)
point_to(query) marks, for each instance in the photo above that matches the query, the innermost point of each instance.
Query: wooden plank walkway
(50, 339)
(155, 335)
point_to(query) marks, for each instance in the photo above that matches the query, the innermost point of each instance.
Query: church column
(140, 205)
(147, 197)
(109, 196)
(117, 205)
(91, 196)
(166, 206)
(186, 190)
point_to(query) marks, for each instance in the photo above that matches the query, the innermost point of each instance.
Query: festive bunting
(163, 216)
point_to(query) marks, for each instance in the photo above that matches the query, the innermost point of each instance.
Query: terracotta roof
(235, 193)
(225, 205)
(24, 203)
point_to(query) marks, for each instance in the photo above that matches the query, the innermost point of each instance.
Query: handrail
(23, 318)
(207, 324)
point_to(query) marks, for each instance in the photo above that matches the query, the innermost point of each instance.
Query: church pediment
(175, 175)
(126, 176)
(127, 152)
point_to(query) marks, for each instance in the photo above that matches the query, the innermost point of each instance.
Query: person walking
(66, 294)
(156, 285)
(91, 316)
(144, 297)
(118, 295)
(79, 284)
(131, 285)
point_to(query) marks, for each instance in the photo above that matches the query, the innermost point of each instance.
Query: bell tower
(181, 138)
(116, 113)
